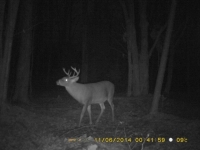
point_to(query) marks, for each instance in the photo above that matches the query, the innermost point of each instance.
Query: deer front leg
(82, 114)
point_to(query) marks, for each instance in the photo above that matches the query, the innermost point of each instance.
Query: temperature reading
(181, 140)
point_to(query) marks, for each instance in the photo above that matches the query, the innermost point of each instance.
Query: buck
(87, 94)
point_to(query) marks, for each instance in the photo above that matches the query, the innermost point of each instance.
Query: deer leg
(89, 112)
(112, 107)
(102, 110)
(82, 114)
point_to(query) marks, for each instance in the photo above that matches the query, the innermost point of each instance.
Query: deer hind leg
(89, 112)
(112, 107)
(102, 110)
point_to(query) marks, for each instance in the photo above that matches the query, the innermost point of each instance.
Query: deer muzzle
(58, 82)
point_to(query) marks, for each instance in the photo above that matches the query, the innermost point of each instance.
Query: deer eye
(66, 79)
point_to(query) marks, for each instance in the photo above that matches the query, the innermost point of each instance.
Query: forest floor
(51, 124)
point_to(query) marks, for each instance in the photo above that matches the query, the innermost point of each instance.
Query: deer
(88, 94)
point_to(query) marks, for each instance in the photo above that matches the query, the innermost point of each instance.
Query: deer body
(87, 94)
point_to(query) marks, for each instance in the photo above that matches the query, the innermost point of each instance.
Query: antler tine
(67, 73)
(75, 71)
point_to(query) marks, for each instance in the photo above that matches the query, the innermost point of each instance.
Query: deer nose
(58, 83)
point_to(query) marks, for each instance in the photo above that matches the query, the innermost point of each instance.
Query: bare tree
(6, 54)
(84, 69)
(162, 67)
(144, 56)
(133, 56)
(2, 9)
(23, 70)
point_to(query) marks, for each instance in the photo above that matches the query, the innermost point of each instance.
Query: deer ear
(75, 79)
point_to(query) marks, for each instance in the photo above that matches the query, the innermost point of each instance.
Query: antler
(75, 71)
(69, 73)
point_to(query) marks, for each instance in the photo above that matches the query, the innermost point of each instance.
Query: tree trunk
(162, 67)
(188, 75)
(90, 35)
(169, 73)
(2, 9)
(133, 62)
(144, 58)
(23, 70)
(4, 74)
(133, 59)
(84, 74)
